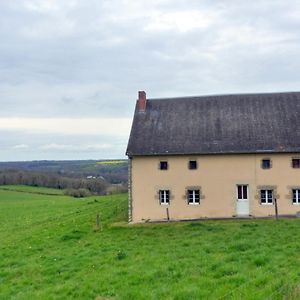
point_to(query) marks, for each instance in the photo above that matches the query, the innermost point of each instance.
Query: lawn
(31, 189)
(51, 249)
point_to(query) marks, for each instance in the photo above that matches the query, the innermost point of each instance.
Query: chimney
(142, 101)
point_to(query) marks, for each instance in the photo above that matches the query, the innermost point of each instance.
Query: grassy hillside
(50, 250)
(31, 189)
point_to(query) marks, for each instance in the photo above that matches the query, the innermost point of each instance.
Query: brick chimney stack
(142, 101)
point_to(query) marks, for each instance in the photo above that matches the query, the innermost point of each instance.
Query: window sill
(267, 204)
(164, 204)
(296, 204)
(193, 204)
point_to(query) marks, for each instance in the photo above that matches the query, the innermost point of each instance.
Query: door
(242, 203)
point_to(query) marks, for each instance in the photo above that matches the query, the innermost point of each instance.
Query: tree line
(114, 173)
(97, 186)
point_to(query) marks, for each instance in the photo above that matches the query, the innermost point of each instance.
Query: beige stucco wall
(218, 176)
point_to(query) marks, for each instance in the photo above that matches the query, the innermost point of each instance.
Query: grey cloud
(89, 58)
(19, 145)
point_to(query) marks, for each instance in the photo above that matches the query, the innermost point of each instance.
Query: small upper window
(266, 197)
(296, 163)
(163, 165)
(193, 197)
(192, 164)
(296, 196)
(266, 163)
(164, 197)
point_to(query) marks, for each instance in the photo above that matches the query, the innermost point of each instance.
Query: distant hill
(113, 171)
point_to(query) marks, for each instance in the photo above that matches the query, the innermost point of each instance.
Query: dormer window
(163, 165)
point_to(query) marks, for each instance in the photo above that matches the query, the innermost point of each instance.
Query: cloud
(181, 21)
(14, 145)
(76, 148)
(112, 127)
(85, 60)
(21, 146)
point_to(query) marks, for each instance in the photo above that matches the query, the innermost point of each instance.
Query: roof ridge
(225, 95)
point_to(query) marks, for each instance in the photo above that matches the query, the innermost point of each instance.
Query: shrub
(121, 255)
(116, 189)
(77, 193)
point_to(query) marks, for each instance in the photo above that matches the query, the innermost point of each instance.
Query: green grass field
(50, 249)
(30, 189)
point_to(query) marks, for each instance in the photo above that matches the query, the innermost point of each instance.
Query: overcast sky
(70, 69)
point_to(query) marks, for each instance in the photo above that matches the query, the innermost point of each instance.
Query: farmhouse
(214, 157)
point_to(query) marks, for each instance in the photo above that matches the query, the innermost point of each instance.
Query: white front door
(242, 203)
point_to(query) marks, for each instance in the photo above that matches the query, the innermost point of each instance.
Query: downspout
(129, 189)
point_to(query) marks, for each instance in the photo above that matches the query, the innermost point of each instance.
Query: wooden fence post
(98, 224)
(168, 216)
(276, 209)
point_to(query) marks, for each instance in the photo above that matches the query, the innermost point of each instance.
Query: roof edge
(216, 153)
(225, 95)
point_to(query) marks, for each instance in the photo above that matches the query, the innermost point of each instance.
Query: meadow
(51, 248)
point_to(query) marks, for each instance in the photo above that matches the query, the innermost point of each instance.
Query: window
(266, 197)
(266, 163)
(164, 197)
(242, 191)
(296, 196)
(193, 197)
(192, 164)
(163, 165)
(296, 163)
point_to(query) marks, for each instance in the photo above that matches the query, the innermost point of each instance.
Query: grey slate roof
(247, 123)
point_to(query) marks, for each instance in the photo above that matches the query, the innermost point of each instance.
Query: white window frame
(297, 194)
(266, 191)
(193, 202)
(164, 197)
